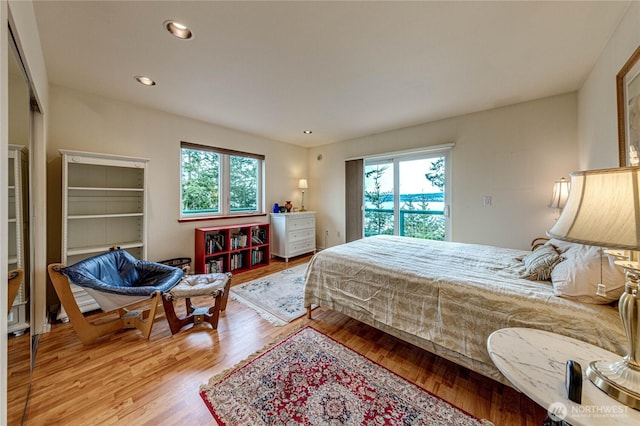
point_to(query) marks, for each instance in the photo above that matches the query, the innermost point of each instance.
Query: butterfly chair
(15, 279)
(114, 279)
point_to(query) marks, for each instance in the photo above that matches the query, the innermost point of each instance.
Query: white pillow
(577, 277)
(561, 246)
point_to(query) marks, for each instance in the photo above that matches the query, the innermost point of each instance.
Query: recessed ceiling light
(144, 80)
(307, 132)
(179, 30)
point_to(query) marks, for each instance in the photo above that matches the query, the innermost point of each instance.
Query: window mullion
(396, 197)
(260, 204)
(225, 184)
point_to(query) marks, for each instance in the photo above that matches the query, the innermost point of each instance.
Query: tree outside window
(200, 181)
(378, 198)
(244, 183)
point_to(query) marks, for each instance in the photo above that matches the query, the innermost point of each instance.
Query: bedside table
(534, 361)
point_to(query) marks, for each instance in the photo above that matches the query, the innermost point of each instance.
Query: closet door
(17, 240)
(354, 194)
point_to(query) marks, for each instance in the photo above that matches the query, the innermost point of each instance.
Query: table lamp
(603, 209)
(560, 194)
(302, 184)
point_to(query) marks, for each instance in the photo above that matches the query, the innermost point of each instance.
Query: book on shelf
(236, 261)
(238, 240)
(258, 235)
(257, 256)
(214, 243)
(215, 266)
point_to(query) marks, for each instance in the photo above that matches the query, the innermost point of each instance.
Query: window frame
(224, 176)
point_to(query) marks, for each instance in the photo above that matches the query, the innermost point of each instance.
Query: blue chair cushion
(118, 272)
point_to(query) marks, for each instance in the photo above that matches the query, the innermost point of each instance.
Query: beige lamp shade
(302, 184)
(560, 194)
(603, 209)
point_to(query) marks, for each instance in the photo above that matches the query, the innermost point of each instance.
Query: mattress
(449, 297)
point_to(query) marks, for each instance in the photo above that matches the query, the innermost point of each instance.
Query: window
(219, 182)
(407, 195)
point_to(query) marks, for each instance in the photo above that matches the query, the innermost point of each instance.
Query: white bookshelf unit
(18, 320)
(293, 234)
(104, 204)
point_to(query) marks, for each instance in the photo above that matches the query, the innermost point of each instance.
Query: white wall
(85, 122)
(513, 154)
(597, 108)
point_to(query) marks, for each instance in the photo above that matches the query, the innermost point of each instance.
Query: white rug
(278, 298)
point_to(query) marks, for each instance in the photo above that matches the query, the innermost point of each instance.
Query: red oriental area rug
(310, 379)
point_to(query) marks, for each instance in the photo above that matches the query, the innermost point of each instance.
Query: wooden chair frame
(15, 279)
(194, 314)
(538, 242)
(89, 332)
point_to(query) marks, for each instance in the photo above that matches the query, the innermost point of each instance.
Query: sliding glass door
(379, 201)
(407, 196)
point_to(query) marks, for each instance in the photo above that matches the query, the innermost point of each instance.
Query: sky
(412, 179)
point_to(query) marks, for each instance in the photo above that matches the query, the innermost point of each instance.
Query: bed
(447, 297)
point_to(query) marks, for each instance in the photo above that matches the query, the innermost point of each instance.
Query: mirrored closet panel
(18, 326)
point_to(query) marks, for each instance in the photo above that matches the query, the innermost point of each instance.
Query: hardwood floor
(125, 379)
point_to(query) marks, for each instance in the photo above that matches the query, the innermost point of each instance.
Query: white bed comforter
(449, 297)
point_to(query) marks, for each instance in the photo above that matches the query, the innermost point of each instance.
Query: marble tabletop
(534, 361)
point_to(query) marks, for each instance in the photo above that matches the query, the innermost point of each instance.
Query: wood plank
(125, 379)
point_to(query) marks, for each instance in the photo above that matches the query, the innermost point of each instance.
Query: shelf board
(102, 248)
(89, 188)
(102, 216)
(216, 254)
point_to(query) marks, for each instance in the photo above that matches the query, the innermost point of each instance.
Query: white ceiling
(342, 69)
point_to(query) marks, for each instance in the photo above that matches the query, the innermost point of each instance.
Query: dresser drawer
(301, 223)
(300, 247)
(303, 234)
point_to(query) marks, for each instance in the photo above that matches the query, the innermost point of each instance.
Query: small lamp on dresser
(302, 184)
(603, 209)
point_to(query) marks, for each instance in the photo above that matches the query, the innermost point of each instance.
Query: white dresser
(293, 234)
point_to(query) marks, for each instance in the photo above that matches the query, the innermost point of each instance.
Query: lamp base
(618, 379)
